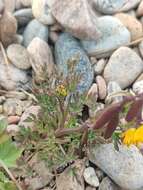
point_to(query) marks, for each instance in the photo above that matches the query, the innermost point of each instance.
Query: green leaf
(7, 186)
(3, 125)
(9, 153)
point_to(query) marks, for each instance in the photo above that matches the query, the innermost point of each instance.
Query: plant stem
(10, 175)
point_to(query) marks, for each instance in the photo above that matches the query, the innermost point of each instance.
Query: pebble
(8, 28)
(19, 56)
(113, 89)
(114, 6)
(23, 16)
(123, 67)
(132, 24)
(67, 48)
(13, 119)
(102, 88)
(138, 87)
(107, 184)
(42, 59)
(90, 177)
(12, 107)
(107, 6)
(124, 167)
(12, 128)
(35, 29)
(99, 66)
(42, 13)
(114, 35)
(69, 13)
(12, 78)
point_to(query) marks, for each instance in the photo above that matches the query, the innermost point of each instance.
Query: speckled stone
(114, 35)
(123, 67)
(114, 6)
(67, 47)
(35, 29)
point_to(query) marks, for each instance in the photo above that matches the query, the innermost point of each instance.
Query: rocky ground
(107, 36)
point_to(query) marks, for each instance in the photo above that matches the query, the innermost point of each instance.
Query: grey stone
(67, 48)
(124, 167)
(114, 35)
(91, 177)
(13, 107)
(99, 66)
(19, 56)
(123, 67)
(107, 184)
(23, 16)
(114, 6)
(12, 78)
(35, 29)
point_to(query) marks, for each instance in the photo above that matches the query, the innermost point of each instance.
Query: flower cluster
(61, 91)
(133, 136)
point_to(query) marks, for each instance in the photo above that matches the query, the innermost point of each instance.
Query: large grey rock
(77, 17)
(124, 67)
(114, 35)
(114, 6)
(124, 167)
(68, 48)
(35, 29)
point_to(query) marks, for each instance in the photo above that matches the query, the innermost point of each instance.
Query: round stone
(123, 67)
(19, 56)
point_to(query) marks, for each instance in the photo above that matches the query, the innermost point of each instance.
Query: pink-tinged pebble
(13, 119)
(102, 88)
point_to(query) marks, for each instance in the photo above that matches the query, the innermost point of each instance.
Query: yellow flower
(128, 136)
(61, 90)
(133, 136)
